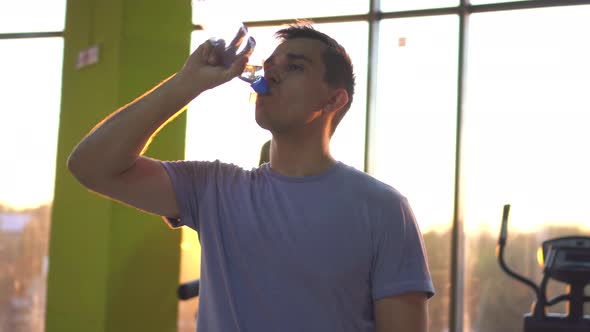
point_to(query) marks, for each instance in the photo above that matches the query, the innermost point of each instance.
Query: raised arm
(109, 159)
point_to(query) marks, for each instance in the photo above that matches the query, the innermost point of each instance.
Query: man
(303, 243)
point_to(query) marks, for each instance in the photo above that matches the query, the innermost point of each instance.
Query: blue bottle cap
(260, 86)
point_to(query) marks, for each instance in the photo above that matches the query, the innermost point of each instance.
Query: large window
(29, 115)
(261, 10)
(526, 133)
(26, 16)
(494, 88)
(481, 2)
(415, 133)
(400, 5)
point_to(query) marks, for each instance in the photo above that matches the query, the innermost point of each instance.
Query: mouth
(272, 85)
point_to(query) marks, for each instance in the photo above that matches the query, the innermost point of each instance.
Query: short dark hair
(339, 70)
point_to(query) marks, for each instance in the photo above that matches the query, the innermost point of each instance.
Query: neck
(298, 156)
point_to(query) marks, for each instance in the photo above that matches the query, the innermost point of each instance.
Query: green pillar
(113, 268)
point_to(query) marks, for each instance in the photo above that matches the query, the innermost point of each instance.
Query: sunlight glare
(29, 124)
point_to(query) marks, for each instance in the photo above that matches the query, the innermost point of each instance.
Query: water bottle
(227, 34)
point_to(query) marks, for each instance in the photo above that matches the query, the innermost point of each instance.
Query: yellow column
(111, 267)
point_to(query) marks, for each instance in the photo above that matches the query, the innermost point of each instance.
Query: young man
(303, 243)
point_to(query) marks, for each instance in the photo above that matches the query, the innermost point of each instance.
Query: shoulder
(384, 205)
(369, 186)
(192, 169)
(197, 165)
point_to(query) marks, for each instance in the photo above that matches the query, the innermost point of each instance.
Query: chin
(260, 118)
(262, 112)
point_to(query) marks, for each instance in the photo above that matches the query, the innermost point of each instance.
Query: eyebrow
(294, 56)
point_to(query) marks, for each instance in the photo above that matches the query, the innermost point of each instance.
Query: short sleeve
(399, 256)
(189, 181)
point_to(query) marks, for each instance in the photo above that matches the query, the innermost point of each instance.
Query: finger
(205, 50)
(217, 50)
(249, 48)
(234, 45)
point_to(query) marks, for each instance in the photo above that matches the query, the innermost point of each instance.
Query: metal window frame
(24, 35)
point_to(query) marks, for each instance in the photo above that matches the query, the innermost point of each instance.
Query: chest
(312, 237)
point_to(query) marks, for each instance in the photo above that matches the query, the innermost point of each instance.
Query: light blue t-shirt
(293, 254)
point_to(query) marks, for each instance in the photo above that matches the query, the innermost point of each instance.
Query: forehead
(311, 48)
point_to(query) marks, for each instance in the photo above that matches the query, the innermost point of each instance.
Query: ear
(337, 101)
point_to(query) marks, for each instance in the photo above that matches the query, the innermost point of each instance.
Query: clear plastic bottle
(254, 74)
(227, 33)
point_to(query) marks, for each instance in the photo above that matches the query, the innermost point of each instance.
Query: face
(297, 91)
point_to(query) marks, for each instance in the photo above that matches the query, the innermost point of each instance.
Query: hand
(209, 66)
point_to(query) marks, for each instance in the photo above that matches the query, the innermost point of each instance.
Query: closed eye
(267, 62)
(294, 67)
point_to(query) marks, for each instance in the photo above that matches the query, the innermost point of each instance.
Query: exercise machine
(565, 259)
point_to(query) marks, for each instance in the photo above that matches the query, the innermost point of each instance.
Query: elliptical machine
(566, 259)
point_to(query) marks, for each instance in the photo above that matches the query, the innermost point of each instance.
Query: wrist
(188, 84)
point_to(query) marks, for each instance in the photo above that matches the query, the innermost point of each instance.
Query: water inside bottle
(252, 73)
